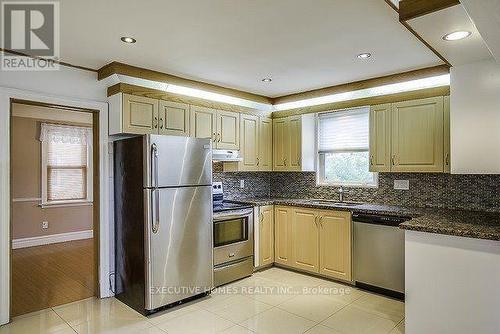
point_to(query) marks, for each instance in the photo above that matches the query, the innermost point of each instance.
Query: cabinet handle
(257, 161)
(371, 160)
(321, 221)
(261, 219)
(284, 161)
(298, 160)
(394, 160)
(161, 123)
(219, 137)
(215, 137)
(447, 159)
(155, 123)
(316, 221)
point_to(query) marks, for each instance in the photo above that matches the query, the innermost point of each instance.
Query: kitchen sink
(326, 202)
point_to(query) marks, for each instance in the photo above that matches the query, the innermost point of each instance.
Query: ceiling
(432, 27)
(236, 43)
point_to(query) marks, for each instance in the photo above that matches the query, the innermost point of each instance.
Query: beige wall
(27, 216)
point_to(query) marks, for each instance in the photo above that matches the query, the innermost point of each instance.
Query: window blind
(344, 130)
(66, 161)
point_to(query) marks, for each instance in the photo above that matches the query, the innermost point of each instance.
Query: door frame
(7, 96)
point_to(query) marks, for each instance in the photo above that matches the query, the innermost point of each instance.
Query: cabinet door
(335, 244)
(283, 235)
(266, 235)
(249, 127)
(281, 144)
(446, 144)
(417, 135)
(203, 123)
(265, 144)
(380, 138)
(228, 126)
(174, 118)
(295, 138)
(305, 236)
(140, 114)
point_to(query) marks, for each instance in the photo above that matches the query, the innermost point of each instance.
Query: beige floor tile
(213, 301)
(196, 322)
(240, 308)
(320, 329)
(340, 292)
(46, 321)
(277, 321)
(172, 313)
(353, 320)
(399, 329)
(237, 330)
(93, 308)
(113, 326)
(312, 307)
(382, 306)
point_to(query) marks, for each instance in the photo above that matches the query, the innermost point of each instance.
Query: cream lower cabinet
(312, 240)
(335, 244)
(266, 235)
(283, 235)
(305, 238)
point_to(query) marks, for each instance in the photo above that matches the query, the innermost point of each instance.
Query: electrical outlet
(402, 184)
(242, 184)
(45, 225)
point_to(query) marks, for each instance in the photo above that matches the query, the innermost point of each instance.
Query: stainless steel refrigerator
(163, 220)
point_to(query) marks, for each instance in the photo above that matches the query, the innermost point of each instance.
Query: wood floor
(51, 275)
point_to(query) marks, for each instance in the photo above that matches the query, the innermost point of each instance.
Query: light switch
(242, 184)
(402, 184)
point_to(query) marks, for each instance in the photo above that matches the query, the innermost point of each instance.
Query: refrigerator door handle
(156, 191)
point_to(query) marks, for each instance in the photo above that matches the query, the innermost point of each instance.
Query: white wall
(452, 284)
(475, 118)
(70, 87)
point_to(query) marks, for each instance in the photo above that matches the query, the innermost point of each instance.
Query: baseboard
(51, 239)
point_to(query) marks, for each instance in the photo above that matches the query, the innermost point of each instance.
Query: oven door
(233, 235)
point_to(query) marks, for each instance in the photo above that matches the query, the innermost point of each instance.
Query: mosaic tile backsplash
(471, 192)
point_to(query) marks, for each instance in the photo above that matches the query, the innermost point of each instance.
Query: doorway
(54, 205)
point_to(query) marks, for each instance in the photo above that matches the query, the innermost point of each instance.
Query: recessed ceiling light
(267, 80)
(129, 40)
(456, 35)
(364, 55)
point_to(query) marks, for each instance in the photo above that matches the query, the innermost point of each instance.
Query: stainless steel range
(233, 238)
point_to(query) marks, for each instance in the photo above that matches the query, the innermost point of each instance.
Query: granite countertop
(463, 223)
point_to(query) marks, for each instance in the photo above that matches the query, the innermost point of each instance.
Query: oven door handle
(233, 215)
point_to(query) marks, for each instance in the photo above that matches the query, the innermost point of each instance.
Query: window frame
(320, 157)
(88, 200)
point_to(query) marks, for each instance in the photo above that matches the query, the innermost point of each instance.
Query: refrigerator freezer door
(179, 256)
(181, 161)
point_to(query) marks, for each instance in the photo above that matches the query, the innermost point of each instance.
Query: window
(66, 164)
(343, 148)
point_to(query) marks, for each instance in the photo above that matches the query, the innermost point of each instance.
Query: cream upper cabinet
(417, 135)
(203, 123)
(283, 235)
(265, 144)
(173, 118)
(380, 138)
(305, 236)
(335, 244)
(281, 144)
(446, 136)
(266, 235)
(140, 114)
(295, 147)
(228, 126)
(249, 143)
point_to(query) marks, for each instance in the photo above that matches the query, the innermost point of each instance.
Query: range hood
(226, 155)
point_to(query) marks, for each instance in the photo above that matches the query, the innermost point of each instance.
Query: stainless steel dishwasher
(379, 254)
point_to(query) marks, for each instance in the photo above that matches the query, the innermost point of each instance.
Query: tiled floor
(271, 301)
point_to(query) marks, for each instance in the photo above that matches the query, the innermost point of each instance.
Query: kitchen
(356, 193)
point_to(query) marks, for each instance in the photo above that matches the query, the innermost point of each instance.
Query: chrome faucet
(341, 194)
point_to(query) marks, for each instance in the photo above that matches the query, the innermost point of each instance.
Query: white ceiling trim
(186, 91)
(431, 82)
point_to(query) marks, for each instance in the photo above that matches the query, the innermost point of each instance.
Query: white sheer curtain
(65, 162)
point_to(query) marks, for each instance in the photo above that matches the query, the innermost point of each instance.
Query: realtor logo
(30, 28)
